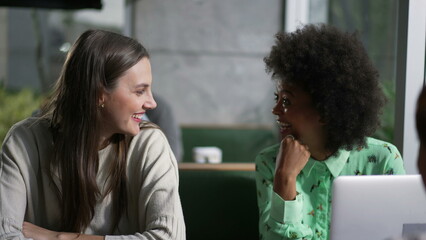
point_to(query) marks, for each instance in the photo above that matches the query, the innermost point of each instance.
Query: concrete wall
(28, 64)
(3, 45)
(207, 57)
(21, 50)
(23, 71)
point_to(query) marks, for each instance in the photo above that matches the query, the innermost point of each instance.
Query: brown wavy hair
(96, 60)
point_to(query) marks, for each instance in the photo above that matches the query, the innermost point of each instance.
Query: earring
(102, 105)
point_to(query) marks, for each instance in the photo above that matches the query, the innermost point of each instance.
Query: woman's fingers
(290, 136)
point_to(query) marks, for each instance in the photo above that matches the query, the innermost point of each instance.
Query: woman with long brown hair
(89, 167)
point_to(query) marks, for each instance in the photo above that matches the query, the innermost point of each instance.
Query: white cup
(207, 154)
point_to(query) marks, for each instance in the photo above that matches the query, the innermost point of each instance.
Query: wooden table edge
(218, 166)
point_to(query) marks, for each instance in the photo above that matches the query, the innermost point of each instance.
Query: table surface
(218, 166)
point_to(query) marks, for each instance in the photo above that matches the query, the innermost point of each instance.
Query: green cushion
(219, 205)
(238, 144)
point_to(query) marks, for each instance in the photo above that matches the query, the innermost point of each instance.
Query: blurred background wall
(3, 44)
(207, 56)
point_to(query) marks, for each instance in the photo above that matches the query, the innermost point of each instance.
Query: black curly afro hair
(334, 68)
(421, 116)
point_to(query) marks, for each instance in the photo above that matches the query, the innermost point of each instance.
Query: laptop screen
(377, 207)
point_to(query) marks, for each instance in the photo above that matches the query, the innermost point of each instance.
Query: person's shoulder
(149, 132)
(151, 145)
(32, 137)
(25, 123)
(150, 129)
(378, 144)
(269, 152)
(377, 147)
(27, 126)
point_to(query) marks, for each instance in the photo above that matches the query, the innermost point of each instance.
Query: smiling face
(296, 115)
(127, 102)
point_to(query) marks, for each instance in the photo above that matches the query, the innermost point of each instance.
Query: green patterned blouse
(308, 216)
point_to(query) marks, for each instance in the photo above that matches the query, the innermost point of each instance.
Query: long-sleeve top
(308, 216)
(27, 194)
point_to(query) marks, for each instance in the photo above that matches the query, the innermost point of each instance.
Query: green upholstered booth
(238, 143)
(219, 204)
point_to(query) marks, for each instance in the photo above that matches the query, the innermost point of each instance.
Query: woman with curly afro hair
(328, 103)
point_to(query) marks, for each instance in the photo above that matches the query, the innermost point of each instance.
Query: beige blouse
(26, 193)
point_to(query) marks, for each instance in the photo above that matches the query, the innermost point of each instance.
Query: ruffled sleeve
(278, 219)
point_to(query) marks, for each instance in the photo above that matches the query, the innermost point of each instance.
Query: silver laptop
(377, 207)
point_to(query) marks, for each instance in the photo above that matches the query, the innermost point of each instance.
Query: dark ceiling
(53, 4)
